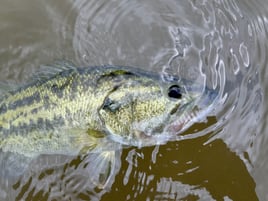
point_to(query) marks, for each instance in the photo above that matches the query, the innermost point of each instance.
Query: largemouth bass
(69, 110)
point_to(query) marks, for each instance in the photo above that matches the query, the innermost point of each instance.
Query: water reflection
(221, 45)
(185, 170)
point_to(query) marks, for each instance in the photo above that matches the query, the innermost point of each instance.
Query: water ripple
(219, 45)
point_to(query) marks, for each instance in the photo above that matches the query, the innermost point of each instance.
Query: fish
(70, 110)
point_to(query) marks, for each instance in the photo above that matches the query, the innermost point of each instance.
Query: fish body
(64, 111)
(34, 118)
(68, 110)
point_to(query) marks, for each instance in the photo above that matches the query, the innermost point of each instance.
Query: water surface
(217, 44)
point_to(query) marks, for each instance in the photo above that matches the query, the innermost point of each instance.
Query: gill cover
(141, 105)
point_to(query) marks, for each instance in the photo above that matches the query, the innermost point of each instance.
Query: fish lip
(182, 123)
(180, 108)
(184, 117)
(196, 106)
(203, 95)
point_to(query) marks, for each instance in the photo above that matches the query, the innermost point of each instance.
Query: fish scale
(90, 111)
(57, 103)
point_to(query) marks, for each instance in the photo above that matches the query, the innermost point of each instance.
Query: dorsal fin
(5, 88)
(47, 71)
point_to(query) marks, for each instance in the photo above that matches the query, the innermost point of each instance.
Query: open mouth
(183, 121)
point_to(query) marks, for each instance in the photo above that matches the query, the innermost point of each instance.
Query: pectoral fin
(103, 167)
(102, 157)
(13, 165)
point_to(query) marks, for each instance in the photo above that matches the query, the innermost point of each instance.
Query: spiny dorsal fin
(47, 71)
(5, 88)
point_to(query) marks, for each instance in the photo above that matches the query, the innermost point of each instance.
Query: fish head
(142, 110)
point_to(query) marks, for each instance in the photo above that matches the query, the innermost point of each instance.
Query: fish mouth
(184, 120)
(179, 118)
(192, 112)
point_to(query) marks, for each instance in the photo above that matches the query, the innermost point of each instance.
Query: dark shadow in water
(192, 162)
(181, 170)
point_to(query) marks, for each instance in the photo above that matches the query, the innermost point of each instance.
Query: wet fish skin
(62, 113)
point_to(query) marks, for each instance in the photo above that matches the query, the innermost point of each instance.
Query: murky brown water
(222, 44)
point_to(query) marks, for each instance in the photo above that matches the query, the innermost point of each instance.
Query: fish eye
(174, 92)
